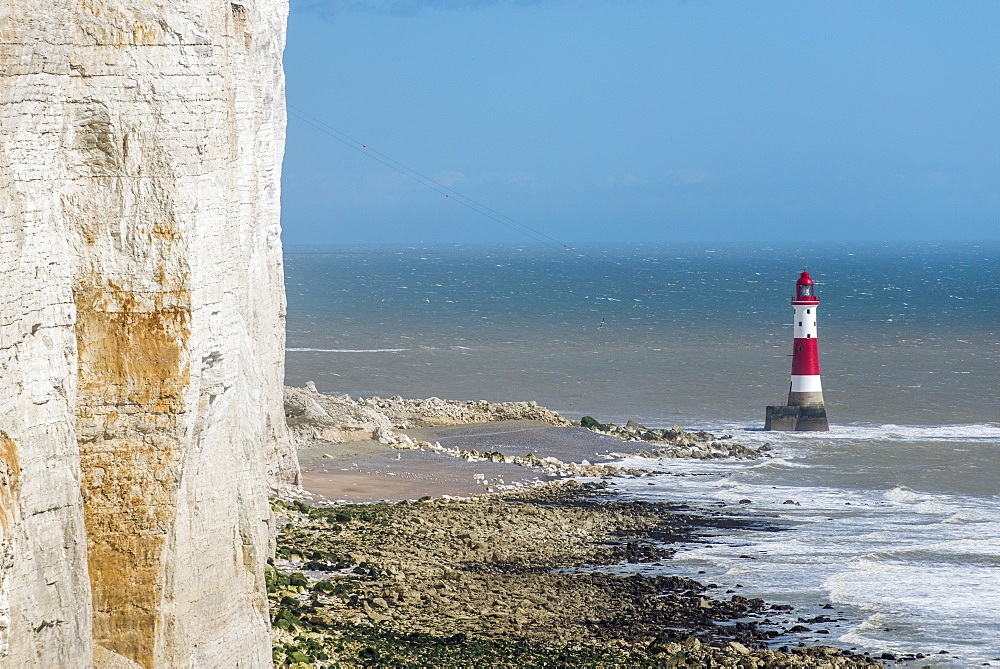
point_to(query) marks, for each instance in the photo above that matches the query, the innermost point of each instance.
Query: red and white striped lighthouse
(805, 410)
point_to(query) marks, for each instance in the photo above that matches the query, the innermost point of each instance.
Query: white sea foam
(920, 503)
(914, 567)
(887, 432)
(779, 462)
(971, 516)
(984, 551)
(922, 589)
(865, 635)
(904, 495)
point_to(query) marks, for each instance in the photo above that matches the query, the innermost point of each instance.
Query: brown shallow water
(569, 444)
(370, 471)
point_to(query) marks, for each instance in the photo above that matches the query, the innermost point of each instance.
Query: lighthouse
(805, 410)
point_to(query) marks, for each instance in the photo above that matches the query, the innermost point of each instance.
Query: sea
(883, 533)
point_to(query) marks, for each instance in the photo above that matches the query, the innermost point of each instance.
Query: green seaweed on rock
(457, 583)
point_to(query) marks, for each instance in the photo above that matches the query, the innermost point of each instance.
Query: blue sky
(576, 121)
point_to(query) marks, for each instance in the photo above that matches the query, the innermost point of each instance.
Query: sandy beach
(365, 471)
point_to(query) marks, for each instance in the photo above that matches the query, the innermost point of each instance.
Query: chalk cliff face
(141, 329)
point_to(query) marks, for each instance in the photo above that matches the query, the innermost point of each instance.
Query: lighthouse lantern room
(805, 410)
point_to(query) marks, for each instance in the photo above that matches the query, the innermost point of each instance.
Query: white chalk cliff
(141, 329)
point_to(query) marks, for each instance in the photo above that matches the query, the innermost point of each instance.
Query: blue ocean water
(897, 514)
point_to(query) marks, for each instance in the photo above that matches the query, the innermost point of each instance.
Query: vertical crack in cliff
(10, 482)
(133, 372)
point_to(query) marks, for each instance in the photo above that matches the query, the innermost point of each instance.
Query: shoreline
(512, 578)
(467, 467)
(361, 450)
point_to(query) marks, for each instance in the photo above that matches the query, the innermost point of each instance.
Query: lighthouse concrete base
(796, 419)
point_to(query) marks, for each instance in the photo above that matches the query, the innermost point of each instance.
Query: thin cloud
(685, 177)
(451, 178)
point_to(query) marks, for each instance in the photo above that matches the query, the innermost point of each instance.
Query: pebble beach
(451, 544)
(510, 579)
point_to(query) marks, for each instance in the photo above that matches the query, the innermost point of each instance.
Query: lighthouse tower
(805, 410)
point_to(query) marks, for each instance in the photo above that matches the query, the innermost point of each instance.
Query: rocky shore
(314, 416)
(507, 580)
(677, 443)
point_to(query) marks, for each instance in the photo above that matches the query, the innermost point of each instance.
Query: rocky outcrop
(677, 443)
(313, 416)
(338, 419)
(141, 341)
(433, 411)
